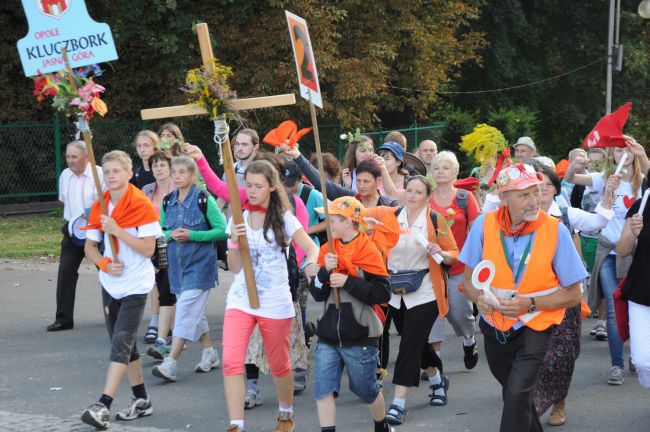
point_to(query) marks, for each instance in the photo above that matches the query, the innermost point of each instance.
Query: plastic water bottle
(161, 245)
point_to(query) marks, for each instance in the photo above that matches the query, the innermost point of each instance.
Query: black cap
(292, 173)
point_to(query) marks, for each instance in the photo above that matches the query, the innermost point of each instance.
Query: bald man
(427, 150)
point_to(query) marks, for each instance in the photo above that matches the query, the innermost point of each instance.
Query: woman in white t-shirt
(269, 226)
(608, 267)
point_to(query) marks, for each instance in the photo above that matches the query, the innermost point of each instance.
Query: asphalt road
(47, 379)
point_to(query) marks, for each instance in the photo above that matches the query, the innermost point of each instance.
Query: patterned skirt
(298, 350)
(554, 377)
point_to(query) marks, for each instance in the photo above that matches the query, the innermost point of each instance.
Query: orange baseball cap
(518, 177)
(346, 206)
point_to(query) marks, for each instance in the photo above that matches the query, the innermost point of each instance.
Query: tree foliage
(361, 47)
(530, 41)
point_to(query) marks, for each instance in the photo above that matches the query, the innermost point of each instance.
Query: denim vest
(192, 265)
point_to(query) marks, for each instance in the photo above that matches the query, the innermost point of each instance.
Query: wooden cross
(226, 151)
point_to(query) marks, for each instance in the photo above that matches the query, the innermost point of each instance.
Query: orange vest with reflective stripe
(538, 278)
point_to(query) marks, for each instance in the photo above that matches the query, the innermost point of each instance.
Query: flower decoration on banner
(210, 89)
(84, 102)
(484, 144)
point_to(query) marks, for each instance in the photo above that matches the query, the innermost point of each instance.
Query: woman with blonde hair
(609, 268)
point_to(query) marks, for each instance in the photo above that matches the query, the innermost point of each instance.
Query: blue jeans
(608, 283)
(361, 364)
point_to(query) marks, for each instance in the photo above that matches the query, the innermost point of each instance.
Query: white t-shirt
(624, 197)
(139, 275)
(271, 275)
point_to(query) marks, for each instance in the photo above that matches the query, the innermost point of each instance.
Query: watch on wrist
(533, 306)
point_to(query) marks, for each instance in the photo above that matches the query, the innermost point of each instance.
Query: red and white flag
(608, 132)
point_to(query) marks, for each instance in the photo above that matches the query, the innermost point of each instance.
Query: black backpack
(293, 270)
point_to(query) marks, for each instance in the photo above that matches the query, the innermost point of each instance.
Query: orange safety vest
(538, 279)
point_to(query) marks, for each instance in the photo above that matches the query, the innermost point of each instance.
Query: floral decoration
(83, 102)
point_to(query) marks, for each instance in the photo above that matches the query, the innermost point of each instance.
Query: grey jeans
(123, 318)
(460, 315)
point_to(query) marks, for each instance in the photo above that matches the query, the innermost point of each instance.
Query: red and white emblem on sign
(53, 8)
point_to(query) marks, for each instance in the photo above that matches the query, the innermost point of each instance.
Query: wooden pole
(323, 184)
(229, 170)
(238, 218)
(85, 132)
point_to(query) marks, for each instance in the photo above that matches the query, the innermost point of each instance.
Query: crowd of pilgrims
(402, 226)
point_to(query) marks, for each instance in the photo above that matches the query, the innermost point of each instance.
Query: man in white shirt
(77, 192)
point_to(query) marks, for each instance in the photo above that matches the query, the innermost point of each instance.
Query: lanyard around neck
(522, 262)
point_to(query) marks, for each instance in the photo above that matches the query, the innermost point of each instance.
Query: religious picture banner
(305, 62)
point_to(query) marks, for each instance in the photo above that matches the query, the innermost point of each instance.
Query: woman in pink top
(159, 165)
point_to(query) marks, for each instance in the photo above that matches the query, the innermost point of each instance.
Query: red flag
(609, 130)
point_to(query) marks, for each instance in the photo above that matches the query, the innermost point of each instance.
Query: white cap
(527, 141)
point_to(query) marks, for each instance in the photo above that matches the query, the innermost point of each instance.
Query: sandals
(151, 335)
(439, 400)
(395, 415)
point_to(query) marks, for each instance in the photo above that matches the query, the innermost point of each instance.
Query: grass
(30, 235)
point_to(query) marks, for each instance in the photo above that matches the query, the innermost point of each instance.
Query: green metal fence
(33, 156)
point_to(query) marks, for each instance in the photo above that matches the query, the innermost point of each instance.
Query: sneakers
(395, 415)
(209, 360)
(424, 376)
(615, 376)
(234, 428)
(166, 370)
(159, 350)
(285, 422)
(471, 356)
(96, 415)
(137, 408)
(439, 400)
(600, 332)
(253, 398)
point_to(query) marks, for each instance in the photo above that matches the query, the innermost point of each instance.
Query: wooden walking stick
(83, 126)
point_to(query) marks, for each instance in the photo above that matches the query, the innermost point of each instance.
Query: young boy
(133, 222)
(192, 257)
(349, 336)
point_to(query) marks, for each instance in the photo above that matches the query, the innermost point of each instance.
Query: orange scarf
(385, 235)
(525, 228)
(132, 210)
(359, 254)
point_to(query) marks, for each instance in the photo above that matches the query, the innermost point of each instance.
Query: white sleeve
(95, 235)
(598, 181)
(491, 203)
(291, 224)
(152, 229)
(585, 221)
(61, 189)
